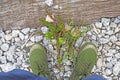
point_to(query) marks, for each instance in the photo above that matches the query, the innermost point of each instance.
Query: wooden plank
(26, 13)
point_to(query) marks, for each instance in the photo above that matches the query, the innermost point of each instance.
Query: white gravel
(15, 45)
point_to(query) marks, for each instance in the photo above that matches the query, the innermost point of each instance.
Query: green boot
(86, 60)
(38, 61)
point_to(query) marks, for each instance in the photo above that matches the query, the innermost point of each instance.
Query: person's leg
(94, 77)
(18, 74)
(86, 59)
(38, 61)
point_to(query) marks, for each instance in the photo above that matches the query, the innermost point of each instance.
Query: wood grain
(26, 13)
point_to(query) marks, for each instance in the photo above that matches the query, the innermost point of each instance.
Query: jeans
(18, 74)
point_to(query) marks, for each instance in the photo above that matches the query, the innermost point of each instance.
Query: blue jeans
(18, 74)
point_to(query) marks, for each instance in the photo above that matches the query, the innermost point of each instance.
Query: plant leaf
(48, 24)
(49, 35)
(60, 41)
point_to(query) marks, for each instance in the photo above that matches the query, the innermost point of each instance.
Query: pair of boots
(86, 59)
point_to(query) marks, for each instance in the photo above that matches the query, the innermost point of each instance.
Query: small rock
(1, 52)
(3, 60)
(8, 31)
(50, 47)
(29, 43)
(110, 43)
(103, 40)
(79, 42)
(10, 58)
(33, 30)
(38, 38)
(99, 62)
(17, 39)
(26, 37)
(100, 48)
(12, 49)
(109, 65)
(114, 61)
(15, 33)
(89, 33)
(8, 37)
(44, 29)
(56, 70)
(98, 25)
(116, 68)
(0, 42)
(32, 38)
(117, 29)
(105, 21)
(22, 36)
(113, 25)
(46, 41)
(2, 34)
(113, 38)
(112, 51)
(67, 68)
(25, 64)
(67, 74)
(110, 32)
(25, 30)
(53, 41)
(49, 2)
(68, 63)
(117, 20)
(108, 72)
(93, 37)
(117, 55)
(8, 67)
(5, 47)
(56, 7)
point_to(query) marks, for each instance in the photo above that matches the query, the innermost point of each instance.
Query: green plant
(65, 34)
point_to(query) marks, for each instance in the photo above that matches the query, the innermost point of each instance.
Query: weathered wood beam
(26, 13)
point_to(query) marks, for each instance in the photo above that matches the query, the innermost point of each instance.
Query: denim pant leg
(18, 74)
(94, 77)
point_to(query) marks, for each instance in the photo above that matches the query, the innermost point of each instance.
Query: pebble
(21, 36)
(29, 43)
(113, 25)
(49, 2)
(7, 67)
(3, 60)
(105, 21)
(17, 39)
(0, 42)
(116, 68)
(15, 33)
(25, 30)
(2, 34)
(8, 37)
(113, 38)
(44, 29)
(103, 40)
(108, 72)
(110, 32)
(67, 74)
(117, 20)
(99, 62)
(38, 38)
(5, 47)
(32, 38)
(98, 25)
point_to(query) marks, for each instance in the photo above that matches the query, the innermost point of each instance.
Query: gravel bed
(15, 46)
